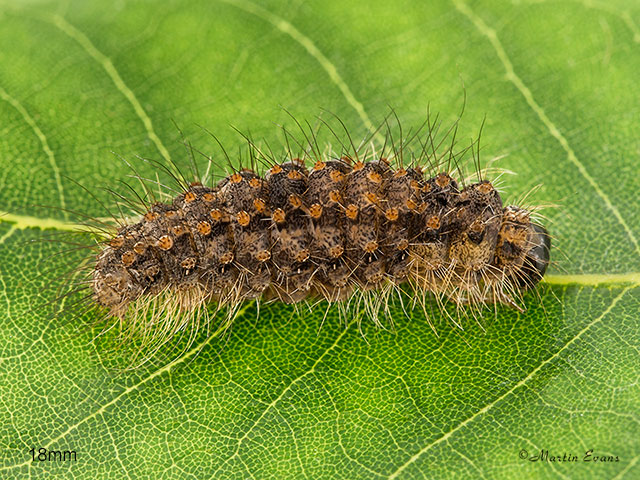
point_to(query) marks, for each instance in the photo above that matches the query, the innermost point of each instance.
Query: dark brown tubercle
(324, 232)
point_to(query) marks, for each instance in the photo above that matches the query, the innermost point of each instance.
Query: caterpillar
(320, 226)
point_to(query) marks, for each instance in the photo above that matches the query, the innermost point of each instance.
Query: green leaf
(282, 397)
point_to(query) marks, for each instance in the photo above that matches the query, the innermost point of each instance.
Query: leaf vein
(165, 369)
(491, 35)
(117, 80)
(281, 396)
(518, 385)
(42, 138)
(305, 42)
(22, 222)
(623, 15)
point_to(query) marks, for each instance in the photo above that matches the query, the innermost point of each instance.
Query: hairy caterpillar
(357, 222)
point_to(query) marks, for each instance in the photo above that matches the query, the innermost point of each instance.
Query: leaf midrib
(22, 222)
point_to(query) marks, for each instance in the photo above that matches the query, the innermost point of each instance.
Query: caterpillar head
(537, 258)
(523, 247)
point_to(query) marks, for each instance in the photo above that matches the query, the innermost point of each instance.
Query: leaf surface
(282, 397)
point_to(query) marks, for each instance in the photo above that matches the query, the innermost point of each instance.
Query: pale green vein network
(629, 466)
(281, 395)
(43, 141)
(115, 448)
(10, 232)
(279, 432)
(165, 369)
(624, 15)
(286, 27)
(521, 383)
(108, 66)
(491, 35)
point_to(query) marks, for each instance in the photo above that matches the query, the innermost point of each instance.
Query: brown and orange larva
(349, 224)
